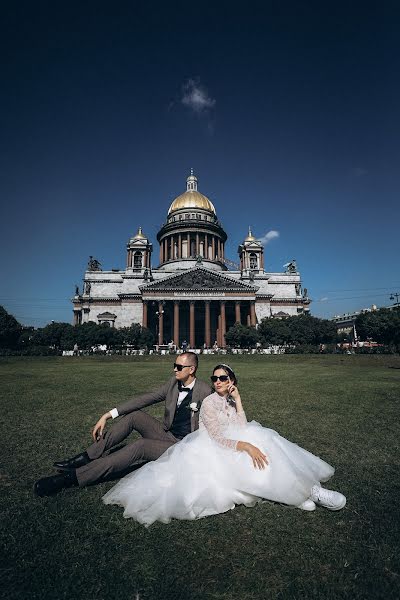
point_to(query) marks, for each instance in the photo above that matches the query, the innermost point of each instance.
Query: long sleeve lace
(216, 415)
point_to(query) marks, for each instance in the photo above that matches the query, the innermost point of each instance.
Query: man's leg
(138, 421)
(143, 449)
(143, 423)
(154, 443)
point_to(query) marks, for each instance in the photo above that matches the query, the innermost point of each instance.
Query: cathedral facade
(194, 294)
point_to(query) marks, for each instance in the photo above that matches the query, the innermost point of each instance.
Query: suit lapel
(170, 404)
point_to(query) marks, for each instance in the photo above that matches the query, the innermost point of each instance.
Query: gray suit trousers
(153, 443)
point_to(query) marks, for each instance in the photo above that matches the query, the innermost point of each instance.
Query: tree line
(56, 337)
(297, 333)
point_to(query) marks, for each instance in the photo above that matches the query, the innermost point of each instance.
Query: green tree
(273, 332)
(52, 335)
(240, 336)
(146, 339)
(382, 326)
(10, 329)
(297, 330)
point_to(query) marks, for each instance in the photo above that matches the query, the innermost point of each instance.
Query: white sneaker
(308, 505)
(327, 498)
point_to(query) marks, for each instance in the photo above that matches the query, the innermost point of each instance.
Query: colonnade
(191, 244)
(196, 321)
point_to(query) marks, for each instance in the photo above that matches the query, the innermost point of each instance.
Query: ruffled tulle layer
(196, 477)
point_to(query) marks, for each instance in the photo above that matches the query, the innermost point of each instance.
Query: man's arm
(130, 406)
(145, 399)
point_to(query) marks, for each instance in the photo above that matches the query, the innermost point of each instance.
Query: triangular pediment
(197, 279)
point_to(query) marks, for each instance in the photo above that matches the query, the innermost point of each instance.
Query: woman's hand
(259, 459)
(233, 392)
(99, 427)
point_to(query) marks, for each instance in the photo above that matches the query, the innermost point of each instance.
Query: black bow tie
(183, 389)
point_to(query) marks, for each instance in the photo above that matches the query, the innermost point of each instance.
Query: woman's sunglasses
(180, 367)
(215, 378)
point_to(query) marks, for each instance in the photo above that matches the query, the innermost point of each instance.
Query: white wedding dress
(204, 474)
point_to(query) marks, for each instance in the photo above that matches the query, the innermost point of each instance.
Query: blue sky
(287, 111)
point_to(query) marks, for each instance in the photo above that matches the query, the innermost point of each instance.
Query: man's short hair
(192, 359)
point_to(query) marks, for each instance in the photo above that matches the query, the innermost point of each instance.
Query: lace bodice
(216, 414)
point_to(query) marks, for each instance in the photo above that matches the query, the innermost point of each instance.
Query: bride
(228, 461)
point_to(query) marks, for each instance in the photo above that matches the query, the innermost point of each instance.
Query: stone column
(160, 323)
(197, 244)
(192, 338)
(176, 323)
(161, 252)
(144, 318)
(205, 245)
(237, 311)
(207, 324)
(188, 245)
(252, 313)
(213, 247)
(223, 324)
(179, 245)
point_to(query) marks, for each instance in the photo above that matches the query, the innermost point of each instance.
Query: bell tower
(138, 253)
(251, 254)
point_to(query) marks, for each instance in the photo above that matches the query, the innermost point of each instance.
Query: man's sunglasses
(180, 367)
(215, 378)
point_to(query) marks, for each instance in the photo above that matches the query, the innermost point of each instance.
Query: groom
(182, 394)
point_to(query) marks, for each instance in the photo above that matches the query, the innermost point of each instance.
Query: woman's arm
(209, 417)
(259, 458)
(234, 393)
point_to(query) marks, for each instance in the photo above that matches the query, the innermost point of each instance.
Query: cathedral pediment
(198, 279)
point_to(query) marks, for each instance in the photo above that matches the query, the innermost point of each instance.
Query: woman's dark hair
(227, 370)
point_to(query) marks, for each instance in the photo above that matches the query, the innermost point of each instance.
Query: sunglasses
(215, 378)
(180, 367)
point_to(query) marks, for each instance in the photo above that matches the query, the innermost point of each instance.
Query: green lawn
(343, 408)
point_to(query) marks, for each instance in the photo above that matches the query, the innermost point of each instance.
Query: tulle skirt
(196, 477)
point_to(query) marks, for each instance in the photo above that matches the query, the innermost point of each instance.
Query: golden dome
(192, 198)
(250, 237)
(139, 235)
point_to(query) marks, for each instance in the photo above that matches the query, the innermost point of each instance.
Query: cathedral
(195, 294)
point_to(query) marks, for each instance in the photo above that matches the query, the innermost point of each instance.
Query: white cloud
(195, 97)
(324, 299)
(270, 235)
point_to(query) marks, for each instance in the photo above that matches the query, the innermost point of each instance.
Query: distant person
(227, 461)
(182, 395)
(184, 346)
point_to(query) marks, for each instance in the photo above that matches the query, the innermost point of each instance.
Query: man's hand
(259, 459)
(99, 427)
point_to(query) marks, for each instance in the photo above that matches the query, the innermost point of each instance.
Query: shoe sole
(63, 469)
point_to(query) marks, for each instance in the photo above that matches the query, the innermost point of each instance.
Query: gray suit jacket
(168, 393)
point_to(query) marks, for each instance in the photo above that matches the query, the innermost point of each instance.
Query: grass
(343, 408)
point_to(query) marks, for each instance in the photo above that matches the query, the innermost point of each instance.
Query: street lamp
(393, 296)
(159, 314)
